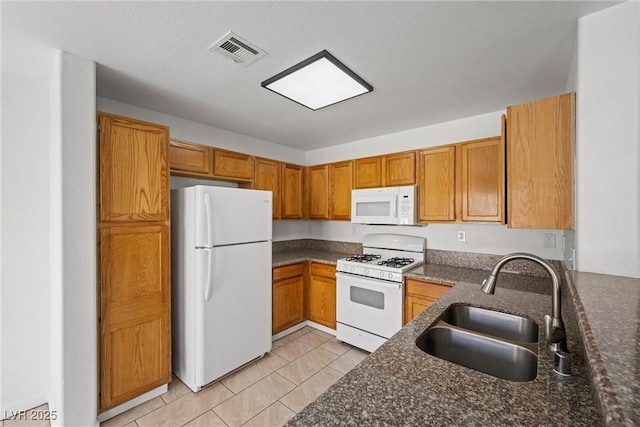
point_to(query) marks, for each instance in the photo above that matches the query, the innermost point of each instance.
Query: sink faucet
(554, 326)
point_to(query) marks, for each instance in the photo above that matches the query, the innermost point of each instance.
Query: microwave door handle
(394, 207)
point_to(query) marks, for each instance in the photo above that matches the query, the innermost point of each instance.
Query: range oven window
(366, 297)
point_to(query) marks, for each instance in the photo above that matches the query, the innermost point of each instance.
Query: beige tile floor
(267, 392)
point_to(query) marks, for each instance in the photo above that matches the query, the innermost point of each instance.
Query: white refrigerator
(221, 280)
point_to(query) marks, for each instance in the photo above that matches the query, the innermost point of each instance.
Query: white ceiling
(428, 62)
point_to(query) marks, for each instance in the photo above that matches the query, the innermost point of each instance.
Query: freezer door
(227, 216)
(233, 308)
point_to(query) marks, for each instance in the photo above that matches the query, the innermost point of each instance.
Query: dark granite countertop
(608, 311)
(400, 385)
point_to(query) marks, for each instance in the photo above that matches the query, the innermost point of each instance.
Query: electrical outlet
(462, 236)
(549, 241)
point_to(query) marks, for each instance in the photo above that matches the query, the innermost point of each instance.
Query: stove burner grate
(396, 262)
(363, 258)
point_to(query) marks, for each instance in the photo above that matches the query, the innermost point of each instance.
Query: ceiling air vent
(236, 49)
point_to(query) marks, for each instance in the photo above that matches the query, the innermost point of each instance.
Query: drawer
(325, 270)
(287, 271)
(427, 290)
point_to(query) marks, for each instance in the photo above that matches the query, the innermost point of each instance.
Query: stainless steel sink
(499, 344)
(494, 323)
(492, 356)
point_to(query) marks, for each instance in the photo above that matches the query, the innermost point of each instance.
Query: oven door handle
(367, 281)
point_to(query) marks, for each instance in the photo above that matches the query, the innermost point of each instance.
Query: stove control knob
(391, 276)
(366, 271)
(352, 269)
(382, 274)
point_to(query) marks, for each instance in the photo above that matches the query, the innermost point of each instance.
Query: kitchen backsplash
(321, 245)
(434, 256)
(487, 261)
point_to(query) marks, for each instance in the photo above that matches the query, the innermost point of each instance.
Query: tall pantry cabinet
(134, 259)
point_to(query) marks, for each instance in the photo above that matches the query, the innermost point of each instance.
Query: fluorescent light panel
(318, 82)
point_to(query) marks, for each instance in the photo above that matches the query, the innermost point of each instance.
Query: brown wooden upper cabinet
(462, 182)
(330, 190)
(367, 172)
(190, 159)
(482, 180)
(203, 161)
(292, 191)
(285, 181)
(267, 177)
(232, 165)
(318, 178)
(540, 168)
(134, 259)
(340, 183)
(385, 171)
(436, 184)
(399, 169)
(134, 180)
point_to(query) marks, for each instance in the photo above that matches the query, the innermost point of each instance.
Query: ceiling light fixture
(318, 82)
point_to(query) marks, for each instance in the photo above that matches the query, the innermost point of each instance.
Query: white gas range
(370, 288)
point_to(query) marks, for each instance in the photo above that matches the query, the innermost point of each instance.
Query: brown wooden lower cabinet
(288, 297)
(419, 295)
(135, 339)
(321, 294)
(303, 291)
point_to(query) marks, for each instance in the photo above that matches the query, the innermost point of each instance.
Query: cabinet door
(400, 169)
(340, 178)
(190, 159)
(288, 303)
(318, 192)
(367, 172)
(419, 295)
(135, 328)
(413, 306)
(292, 191)
(267, 177)
(436, 184)
(232, 165)
(322, 301)
(540, 153)
(482, 180)
(134, 173)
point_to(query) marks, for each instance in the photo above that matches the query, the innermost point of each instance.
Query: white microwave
(387, 205)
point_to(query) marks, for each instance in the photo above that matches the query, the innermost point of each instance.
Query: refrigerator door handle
(209, 219)
(209, 287)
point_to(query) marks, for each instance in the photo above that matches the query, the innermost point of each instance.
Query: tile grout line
(286, 379)
(285, 405)
(310, 350)
(208, 410)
